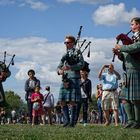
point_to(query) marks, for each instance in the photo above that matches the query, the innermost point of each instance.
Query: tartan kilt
(133, 84)
(73, 93)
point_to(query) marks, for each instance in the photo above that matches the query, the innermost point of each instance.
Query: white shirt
(82, 92)
(49, 101)
(31, 83)
(13, 113)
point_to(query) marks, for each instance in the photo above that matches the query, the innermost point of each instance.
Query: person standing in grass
(110, 94)
(123, 114)
(37, 99)
(58, 112)
(29, 88)
(86, 91)
(14, 116)
(99, 92)
(48, 104)
(130, 55)
(70, 94)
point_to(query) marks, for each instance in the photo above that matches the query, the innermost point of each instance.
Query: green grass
(90, 132)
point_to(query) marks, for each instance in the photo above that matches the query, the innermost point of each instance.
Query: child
(37, 99)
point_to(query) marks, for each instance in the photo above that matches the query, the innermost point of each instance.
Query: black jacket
(87, 88)
(29, 90)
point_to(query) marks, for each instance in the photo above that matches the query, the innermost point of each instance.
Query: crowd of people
(56, 118)
(116, 102)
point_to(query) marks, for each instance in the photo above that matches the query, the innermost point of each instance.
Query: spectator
(48, 104)
(110, 94)
(58, 112)
(36, 99)
(13, 116)
(29, 88)
(86, 90)
(99, 98)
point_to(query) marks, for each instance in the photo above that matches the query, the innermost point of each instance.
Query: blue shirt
(110, 81)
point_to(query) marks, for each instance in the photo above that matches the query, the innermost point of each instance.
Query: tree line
(14, 101)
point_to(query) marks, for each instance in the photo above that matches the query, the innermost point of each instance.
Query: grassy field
(90, 132)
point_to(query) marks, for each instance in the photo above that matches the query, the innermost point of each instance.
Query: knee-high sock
(129, 109)
(66, 114)
(137, 111)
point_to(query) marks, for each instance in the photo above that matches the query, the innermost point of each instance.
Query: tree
(14, 102)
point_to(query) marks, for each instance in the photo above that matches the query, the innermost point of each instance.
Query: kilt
(73, 93)
(133, 85)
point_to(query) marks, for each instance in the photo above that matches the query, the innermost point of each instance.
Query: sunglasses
(67, 42)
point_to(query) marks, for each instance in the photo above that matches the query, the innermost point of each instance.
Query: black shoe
(129, 125)
(65, 124)
(71, 125)
(136, 126)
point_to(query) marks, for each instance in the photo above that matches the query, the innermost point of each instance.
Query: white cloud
(86, 1)
(37, 5)
(43, 56)
(33, 4)
(113, 14)
(36, 53)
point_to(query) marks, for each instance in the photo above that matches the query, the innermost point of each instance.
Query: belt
(109, 90)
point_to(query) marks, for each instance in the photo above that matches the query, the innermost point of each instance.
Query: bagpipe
(73, 58)
(128, 41)
(4, 68)
(125, 41)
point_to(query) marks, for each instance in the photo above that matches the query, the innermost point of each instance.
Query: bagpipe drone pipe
(73, 58)
(4, 68)
(4, 74)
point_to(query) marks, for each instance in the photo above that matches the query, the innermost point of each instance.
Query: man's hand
(60, 72)
(105, 66)
(117, 47)
(116, 50)
(66, 68)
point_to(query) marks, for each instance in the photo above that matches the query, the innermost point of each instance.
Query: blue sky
(34, 31)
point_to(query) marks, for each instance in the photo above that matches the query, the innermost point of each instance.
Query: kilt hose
(132, 95)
